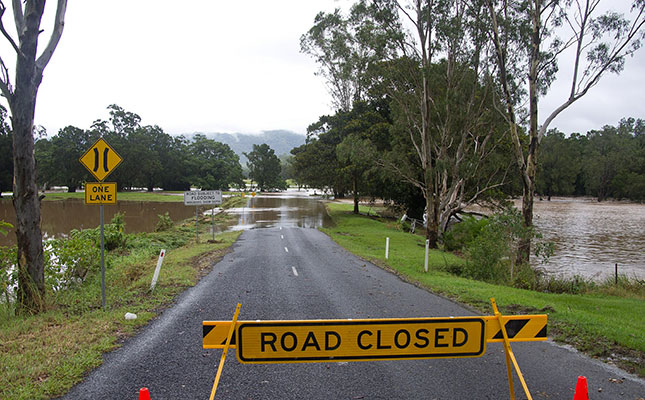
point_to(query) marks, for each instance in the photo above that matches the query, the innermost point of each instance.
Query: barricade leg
(510, 357)
(228, 344)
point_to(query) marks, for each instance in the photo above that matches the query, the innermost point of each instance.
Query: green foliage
(213, 165)
(463, 233)
(165, 223)
(4, 226)
(113, 233)
(491, 246)
(70, 260)
(264, 168)
(605, 163)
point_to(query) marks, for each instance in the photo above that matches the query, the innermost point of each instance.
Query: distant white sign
(202, 197)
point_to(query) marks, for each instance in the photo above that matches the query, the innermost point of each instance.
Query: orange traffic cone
(144, 394)
(581, 389)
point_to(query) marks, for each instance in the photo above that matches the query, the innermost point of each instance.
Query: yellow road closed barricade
(336, 340)
(519, 328)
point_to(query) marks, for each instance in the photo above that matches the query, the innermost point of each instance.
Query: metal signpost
(199, 198)
(100, 159)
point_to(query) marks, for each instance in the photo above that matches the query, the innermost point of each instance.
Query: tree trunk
(31, 277)
(530, 172)
(31, 282)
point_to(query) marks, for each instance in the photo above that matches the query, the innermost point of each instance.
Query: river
(590, 238)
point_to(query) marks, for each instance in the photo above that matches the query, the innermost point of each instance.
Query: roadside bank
(603, 324)
(43, 356)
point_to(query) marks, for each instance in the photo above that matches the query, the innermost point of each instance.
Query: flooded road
(289, 209)
(589, 237)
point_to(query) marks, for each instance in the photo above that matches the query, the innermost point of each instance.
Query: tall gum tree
(442, 92)
(529, 38)
(21, 97)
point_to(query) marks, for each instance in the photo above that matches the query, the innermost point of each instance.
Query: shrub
(114, 235)
(463, 233)
(165, 222)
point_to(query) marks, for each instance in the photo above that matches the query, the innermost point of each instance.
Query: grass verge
(599, 323)
(43, 356)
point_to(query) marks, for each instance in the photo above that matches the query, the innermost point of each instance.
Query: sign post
(100, 159)
(202, 197)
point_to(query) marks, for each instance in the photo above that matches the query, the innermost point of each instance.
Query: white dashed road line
(295, 273)
(285, 249)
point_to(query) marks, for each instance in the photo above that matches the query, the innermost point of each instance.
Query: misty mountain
(280, 141)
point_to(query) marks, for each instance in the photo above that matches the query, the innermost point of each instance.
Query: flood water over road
(289, 209)
(589, 237)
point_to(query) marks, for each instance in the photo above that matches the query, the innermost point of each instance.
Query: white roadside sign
(202, 197)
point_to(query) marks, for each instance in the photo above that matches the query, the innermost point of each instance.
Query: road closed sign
(360, 340)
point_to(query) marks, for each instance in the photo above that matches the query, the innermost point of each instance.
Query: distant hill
(280, 141)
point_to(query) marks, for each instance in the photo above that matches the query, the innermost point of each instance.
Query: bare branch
(6, 34)
(18, 17)
(5, 83)
(59, 24)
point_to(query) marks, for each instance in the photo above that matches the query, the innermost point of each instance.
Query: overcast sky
(230, 66)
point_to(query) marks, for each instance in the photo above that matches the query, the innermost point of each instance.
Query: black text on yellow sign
(360, 340)
(100, 159)
(100, 193)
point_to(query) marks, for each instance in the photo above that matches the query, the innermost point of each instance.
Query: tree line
(151, 158)
(604, 163)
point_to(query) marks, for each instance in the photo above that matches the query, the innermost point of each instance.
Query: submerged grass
(603, 321)
(43, 356)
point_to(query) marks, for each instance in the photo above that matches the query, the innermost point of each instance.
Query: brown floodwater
(287, 209)
(60, 217)
(590, 238)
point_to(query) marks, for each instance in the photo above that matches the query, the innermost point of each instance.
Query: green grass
(43, 356)
(598, 323)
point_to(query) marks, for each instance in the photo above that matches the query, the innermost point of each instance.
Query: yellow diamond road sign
(100, 159)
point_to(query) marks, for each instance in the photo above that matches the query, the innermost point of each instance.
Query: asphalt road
(296, 273)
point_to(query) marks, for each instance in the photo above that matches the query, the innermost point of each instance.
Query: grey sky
(230, 66)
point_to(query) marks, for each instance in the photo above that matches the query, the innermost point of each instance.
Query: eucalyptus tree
(442, 100)
(336, 42)
(530, 37)
(21, 96)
